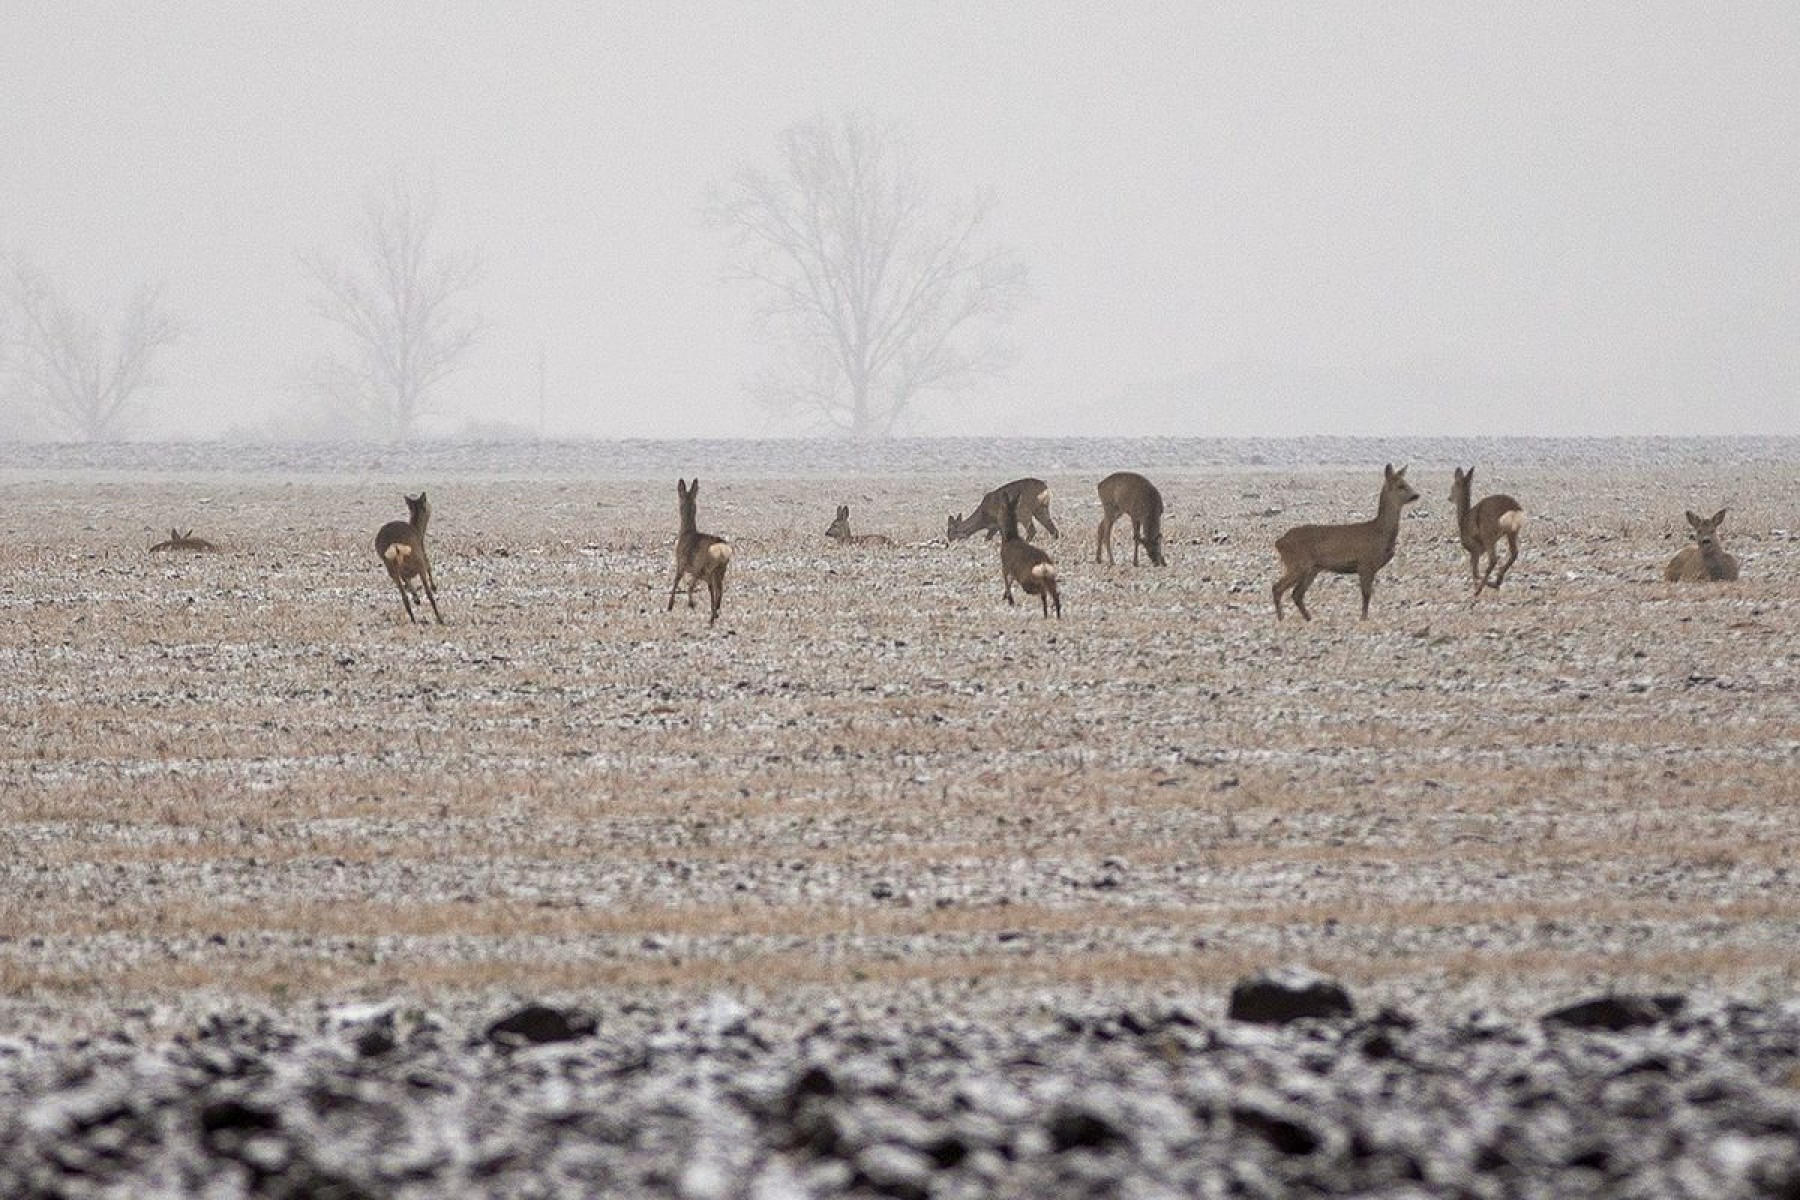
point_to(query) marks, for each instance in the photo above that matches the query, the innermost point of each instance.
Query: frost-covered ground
(242, 783)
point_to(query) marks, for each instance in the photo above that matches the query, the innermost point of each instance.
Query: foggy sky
(1249, 219)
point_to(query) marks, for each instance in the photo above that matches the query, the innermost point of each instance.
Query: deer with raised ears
(699, 557)
(1126, 493)
(401, 545)
(1025, 564)
(1705, 561)
(1361, 549)
(1033, 497)
(183, 541)
(1481, 526)
(840, 532)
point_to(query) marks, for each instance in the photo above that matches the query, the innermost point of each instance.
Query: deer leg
(693, 582)
(673, 588)
(1104, 536)
(431, 594)
(1367, 580)
(1056, 597)
(406, 599)
(1048, 524)
(1006, 579)
(1137, 539)
(1512, 556)
(1299, 593)
(715, 589)
(1281, 585)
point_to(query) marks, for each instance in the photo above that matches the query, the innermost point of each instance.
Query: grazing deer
(1481, 528)
(1705, 561)
(1130, 494)
(698, 556)
(1033, 496)
(401, 545)
(840, 530)
(183, 541)
(1025, 564)
(1363, 548)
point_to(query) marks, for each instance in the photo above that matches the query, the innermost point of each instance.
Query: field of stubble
(245, 776)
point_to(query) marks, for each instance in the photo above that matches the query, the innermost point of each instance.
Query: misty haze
(1392, 220)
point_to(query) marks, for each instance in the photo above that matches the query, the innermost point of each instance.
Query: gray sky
(1249, 219)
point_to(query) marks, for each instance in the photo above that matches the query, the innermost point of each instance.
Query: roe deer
(401, 545)
(183, 541)
(1025, 564)
(1130, 494)
(840, 530)
(1363, 548)
(1705, 561)
(1482, 527)
(699, 556)
(1033, 496)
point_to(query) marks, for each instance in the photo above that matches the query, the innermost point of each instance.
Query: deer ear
(1693, 519)
(1388, 471)
(1718, 518)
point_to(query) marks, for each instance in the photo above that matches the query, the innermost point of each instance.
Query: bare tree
(398, 303)
(879, 296)
(65, 367)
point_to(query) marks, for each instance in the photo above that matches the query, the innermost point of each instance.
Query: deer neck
(1387, 518)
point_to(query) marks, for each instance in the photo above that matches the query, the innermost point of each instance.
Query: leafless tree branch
(398, 308)
(879, 296)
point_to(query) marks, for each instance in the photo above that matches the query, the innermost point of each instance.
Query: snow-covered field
(243, 781)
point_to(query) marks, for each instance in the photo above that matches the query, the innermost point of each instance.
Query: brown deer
(183, 541)
(1126, 493)
(840, 531)
(1482, 526)
(1361, 549)
(700, 557)
(401, 545)
(1025, 564)
(1033, 496)
(1705, 561)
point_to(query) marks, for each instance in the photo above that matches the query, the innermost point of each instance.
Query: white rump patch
(397, 551)
(1043, 571)
(719, 552)
(1512, 521)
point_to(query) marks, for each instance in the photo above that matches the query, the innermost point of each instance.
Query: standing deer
(1126, 493)
(1025, 564)
(178, 540)
(401, 545)
(1363, 548)
(1033, 496)
(1482, 527)
(1705, 561)
(699, 556)
(840, 530)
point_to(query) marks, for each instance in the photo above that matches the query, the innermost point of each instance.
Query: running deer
(840, 530)
(1025, 564)
(701, 557)
(1705, 561)
(183, 541)
(1033, 497)
(1127, 493)
(401, 545)
(1481, 527)
(1361, 549)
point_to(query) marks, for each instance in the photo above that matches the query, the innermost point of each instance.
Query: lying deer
(1033, 496)
(1705, 561)
(698, 556)
(1025, 564)
(401, 545)
(840, 530)
(1361, 549)
(1126, 493)
(183, 541)
(1481, 528)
